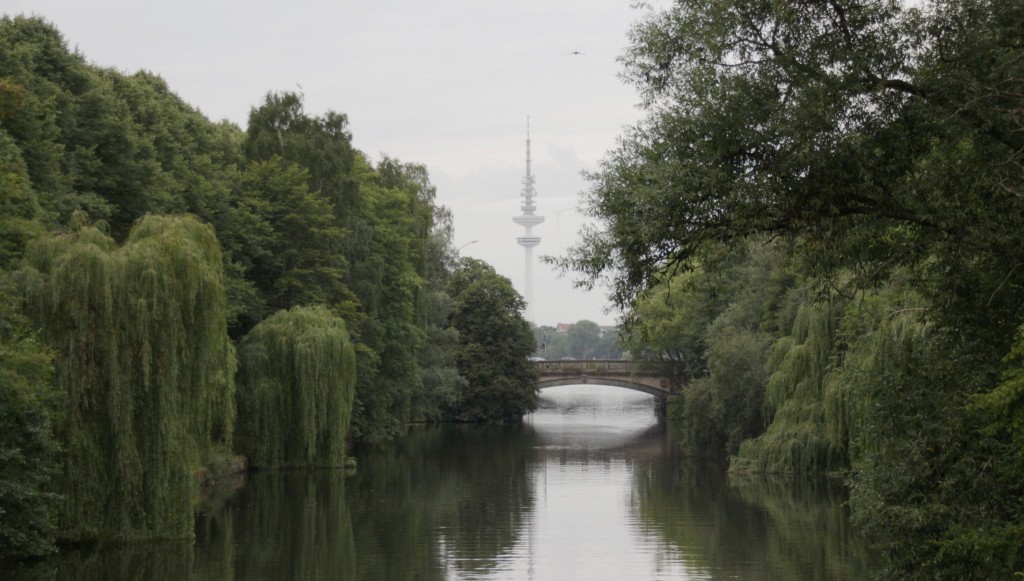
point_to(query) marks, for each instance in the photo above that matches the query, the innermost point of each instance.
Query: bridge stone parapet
(615, 372)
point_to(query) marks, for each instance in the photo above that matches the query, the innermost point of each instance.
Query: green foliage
(670, 324)
(895, 475)
(865, 151)
(881, 143)
(551, 344)
(712, 332)
(280, 132)
(583, 340)
(795, 441)
(144, 367)
(440, 382)
(280, 127)
(364, 252)
(1002, 414)
(118, 147)
(296, 389)
(738, 378)
(583, 337)
(20, 214)
(494, 344)
(28, 451)
(302, 217)
(927, 476)
(387, 277)
(36, 63)
(299, 260)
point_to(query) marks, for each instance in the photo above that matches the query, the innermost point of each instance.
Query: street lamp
(465, 245)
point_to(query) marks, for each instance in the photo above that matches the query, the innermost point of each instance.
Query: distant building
(563, 327)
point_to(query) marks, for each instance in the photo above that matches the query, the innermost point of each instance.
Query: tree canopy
(29, 408)
(494, 344)
(147, 240)
(296, 389)
(872, 134)
(879, 145)
(145, 370)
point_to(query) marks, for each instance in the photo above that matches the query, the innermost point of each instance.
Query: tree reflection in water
(461, 496)
(590, 485)
(756, 528)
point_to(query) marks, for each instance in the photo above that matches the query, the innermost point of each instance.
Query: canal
(588, 487)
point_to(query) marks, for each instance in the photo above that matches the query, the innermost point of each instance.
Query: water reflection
(758, 528)
(809, 534)
(588, 487)
(283, 525)
(160, 561)
(616, 499)
(443, 502)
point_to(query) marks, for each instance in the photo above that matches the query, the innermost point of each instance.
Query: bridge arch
(656, 392)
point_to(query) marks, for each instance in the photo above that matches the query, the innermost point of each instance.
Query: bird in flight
(576, 52)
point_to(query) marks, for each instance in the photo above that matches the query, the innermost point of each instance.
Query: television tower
(528, 220)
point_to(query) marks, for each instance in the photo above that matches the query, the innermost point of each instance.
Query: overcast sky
(446, 83)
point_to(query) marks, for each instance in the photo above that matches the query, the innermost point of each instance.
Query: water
(588, 487)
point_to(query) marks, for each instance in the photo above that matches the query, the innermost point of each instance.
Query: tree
(144, 369)
(711, 332)
(870, 135)
(387, 277)
(550, 343)
(43, 84)
(608, 345)
(583, 338)
(296, 389)
(29, 453)
(670, 326)
(117, 146)
(384, 214)
(322, 145)
(495, 342)
(20, 214)
(299, 261)
(796, 440)
(880, 141)
(440, 382)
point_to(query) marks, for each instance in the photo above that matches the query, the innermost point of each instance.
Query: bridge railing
(586, 366)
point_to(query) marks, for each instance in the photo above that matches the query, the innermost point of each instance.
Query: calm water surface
(588, 487)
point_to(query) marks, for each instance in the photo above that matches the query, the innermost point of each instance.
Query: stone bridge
(615, 372)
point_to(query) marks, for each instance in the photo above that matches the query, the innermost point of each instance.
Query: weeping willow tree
(796, 440)
(296, 389)
(935, 455)
(145, 368)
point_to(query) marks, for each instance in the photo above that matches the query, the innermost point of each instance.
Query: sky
(447, 83)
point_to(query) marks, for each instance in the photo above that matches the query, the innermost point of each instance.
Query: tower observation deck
(528, 220)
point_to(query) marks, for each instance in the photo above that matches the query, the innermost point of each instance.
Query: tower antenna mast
(528, 220)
